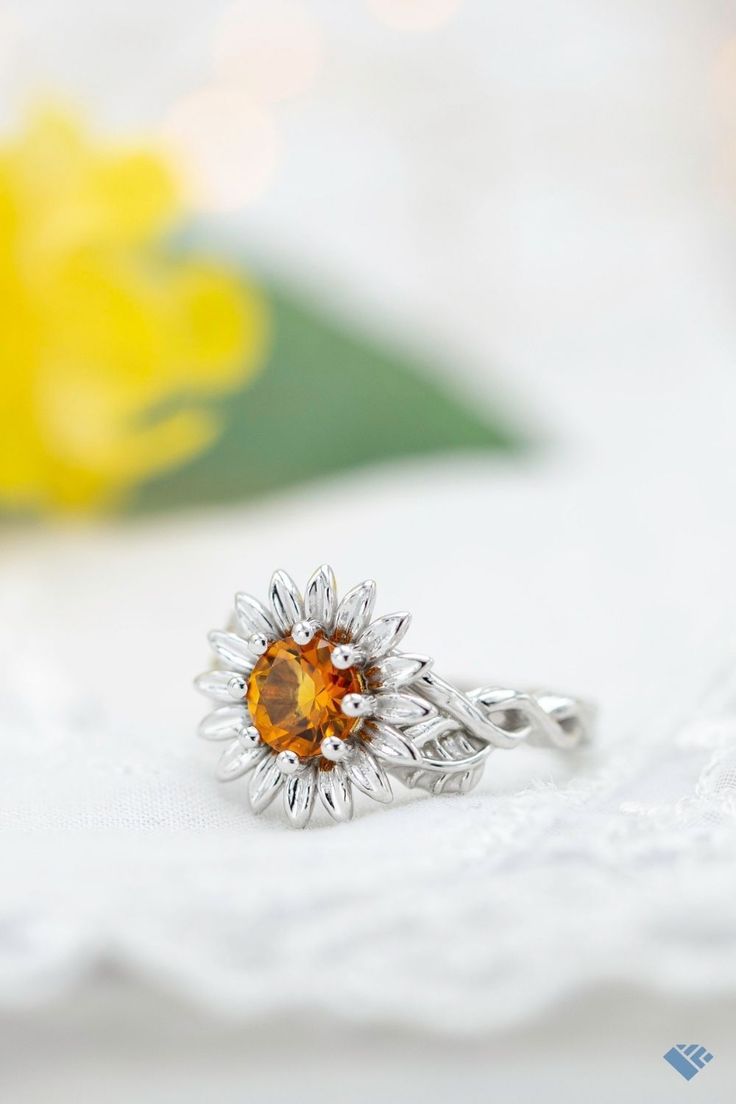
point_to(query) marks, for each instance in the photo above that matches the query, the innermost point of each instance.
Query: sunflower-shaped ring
(315, 700)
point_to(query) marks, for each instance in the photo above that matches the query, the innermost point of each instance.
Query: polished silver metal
(249, 736)
(304, 631)
(413, 726)
(345, 656)
(358, 705)
(258, 643)
(334, 749)
(288, 762)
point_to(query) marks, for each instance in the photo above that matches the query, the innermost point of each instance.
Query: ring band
(315, 700)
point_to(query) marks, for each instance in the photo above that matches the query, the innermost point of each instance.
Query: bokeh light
(414, 15)
(10, 35)
(273, 50)
(226, 145)
(724, 87)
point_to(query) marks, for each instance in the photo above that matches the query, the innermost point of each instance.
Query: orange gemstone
(294, 696)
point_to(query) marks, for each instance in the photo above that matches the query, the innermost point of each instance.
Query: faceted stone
(294, 696)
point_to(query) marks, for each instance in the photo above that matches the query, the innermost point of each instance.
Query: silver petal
(286, 601)
(299, 794)
(335, 793)
(365, 772)
(265, 783)
(253, 617)
(215, 684)
(321, 597)
(402, 709)
(398, 670)
(224, 723)
(388, 743)
(354, 612)
(383, 635)
(236, 760)
(233, 650)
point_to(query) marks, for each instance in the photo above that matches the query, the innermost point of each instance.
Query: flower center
(294, 696)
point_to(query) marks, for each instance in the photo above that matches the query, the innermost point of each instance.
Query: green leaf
(328, 399)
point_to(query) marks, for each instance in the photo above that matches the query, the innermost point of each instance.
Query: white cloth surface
(458, 914)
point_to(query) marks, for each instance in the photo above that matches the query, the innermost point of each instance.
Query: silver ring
(315, 700)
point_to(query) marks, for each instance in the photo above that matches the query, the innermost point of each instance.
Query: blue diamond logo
(688, 1058)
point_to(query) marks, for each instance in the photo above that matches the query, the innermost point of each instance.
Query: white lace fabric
(455, 914)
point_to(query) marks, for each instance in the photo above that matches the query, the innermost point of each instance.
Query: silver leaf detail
(215, 684)
(321, 597)
(265, 783)
(224, 723)
(402, 709)
(233, 650)
(394, 671)
(383, 635)
(335, 793)
(286, 601)
(236, 760)
(354, 612)
(253, 617)
(367, 775)
(299, 792)
(389, 744)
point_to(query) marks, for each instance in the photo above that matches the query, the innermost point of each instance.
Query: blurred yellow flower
(102, 332)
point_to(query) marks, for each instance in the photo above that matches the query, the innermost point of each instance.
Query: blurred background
(440, 291)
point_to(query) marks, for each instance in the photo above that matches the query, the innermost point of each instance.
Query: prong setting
(358, 705)
(345, 656)
(334, 749)
(250, 736)
(288, 762)
(258, 643)
(236, 687)
(304, 632)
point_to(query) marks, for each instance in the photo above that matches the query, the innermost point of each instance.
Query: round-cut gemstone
(294, 696)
